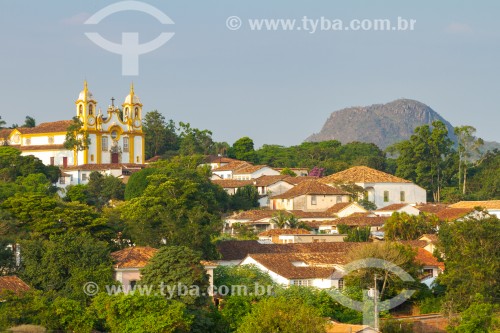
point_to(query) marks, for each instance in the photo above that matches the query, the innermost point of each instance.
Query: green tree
(243, 149)
(137, 183)
(174, 268)
(280, 218)
(402, 226)
(194, 141)
(358, 234)
(2, 123)
(137, 313)
(180, 206)
(246, 277)
(160, 136)
(77, 193)
(245, 198)
(76, 137)
(426, 158)
(472, 261)
(478, 318)
(288, 172)
(29, 122)
(468, 152)
(64, 263)
(393, 254)
(102, 188)
(484, 182)
(277, 314)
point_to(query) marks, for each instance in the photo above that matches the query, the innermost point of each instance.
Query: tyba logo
(130, 49)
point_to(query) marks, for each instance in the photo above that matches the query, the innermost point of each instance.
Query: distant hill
(381, 124)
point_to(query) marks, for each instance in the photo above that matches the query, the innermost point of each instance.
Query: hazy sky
(274, 86)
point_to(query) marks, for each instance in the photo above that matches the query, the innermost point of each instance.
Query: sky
(277, 87)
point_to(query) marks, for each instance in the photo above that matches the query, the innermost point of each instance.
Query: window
(300, 282)
(91, 109)
(80, 110)
(27, 141)
(52, 160)
(313, 200)
(114, 134)
(136, 113)
(386, 196)
(62, 180)
(341, 284)
(126, 112)
(51, 140)
(84, 177)
(339, 198)
(133, 283)
(125, 144)
(402, 196)
(92, 157)
(104, 143)
(137, 159)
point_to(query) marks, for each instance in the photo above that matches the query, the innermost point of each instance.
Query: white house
(310, 196)
(231, 186)
(492, 206)
(397, 208)
(254, 171)
(128, 263)
(343, 209)
(381, 188)
(80, 174)
(314, 269)
(226, 171)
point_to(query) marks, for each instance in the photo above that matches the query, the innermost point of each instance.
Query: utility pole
(375, 305)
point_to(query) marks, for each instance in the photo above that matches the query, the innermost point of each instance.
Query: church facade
(116, 139)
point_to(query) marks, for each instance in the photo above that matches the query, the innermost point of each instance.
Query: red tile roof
(50, 127)
(310, 187)
(451, 214)
(277, 232)
(238, 250)
(431, 207)
(391, 208)
(232, 166)
(269, 180)
(105, 166)
(425, 258)
(299, 179)
(13, 283)
(282, 264)
(218, 159)
(338, 207)
(488, 204)
(232, 183)
(249, 169)
(40, 147)
(259, 214)
(361, 221)
(362, 174)
(133, 257)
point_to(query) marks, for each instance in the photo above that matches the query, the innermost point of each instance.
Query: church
(117, 144)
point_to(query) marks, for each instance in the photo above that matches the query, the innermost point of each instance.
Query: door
(114, 157)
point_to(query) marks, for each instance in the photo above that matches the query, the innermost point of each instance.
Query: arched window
(136, 113)
(91, 109)
(126, 112)
(80, 110)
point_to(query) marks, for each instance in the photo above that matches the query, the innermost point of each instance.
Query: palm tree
(280, 219)
(293, 222)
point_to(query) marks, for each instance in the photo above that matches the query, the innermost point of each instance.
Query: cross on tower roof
(112, 101)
